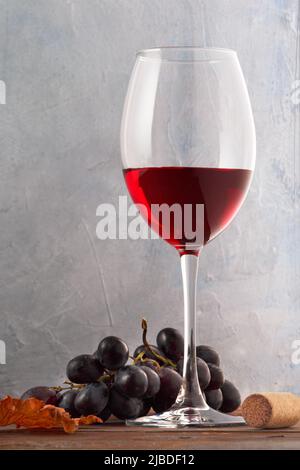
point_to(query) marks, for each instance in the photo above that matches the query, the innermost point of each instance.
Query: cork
(271, 410)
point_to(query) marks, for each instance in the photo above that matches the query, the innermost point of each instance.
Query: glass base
(188, 417)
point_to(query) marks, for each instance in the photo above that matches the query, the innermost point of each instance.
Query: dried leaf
(32, 413)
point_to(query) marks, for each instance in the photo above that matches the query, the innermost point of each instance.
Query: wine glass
(188, 138)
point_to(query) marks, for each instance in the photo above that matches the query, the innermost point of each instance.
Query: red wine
(220, 190)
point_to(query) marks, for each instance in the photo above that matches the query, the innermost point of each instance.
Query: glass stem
(190, 394)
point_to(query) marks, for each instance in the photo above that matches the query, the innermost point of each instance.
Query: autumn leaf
(33, 413)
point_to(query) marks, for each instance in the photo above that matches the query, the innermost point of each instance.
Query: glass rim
(186, 53)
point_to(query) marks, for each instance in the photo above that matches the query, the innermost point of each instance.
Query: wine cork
(271, 410)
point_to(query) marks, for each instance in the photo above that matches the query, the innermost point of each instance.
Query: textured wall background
(66, 64)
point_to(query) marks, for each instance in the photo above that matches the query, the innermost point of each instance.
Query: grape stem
(70, 386)
(165, 360)
(58, 388)
(140, 358)
(105, 378)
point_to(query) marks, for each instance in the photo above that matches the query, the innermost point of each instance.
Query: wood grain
(119, 437)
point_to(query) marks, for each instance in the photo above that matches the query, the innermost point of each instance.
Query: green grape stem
(140, 358)
(105, 378)
(58, 388)
(69, 386)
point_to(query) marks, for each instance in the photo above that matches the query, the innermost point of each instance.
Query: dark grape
(124, 407)
(148, 354)
(153, 382)
(161, 404)
(217, 377)
(84, 369)
(179, 367)
(105, 414)
(146, 407)
(67, 402)
(170, 342)
(112, 352)
(214, 398)
(45, 394)
(208, 354)
(170, 383)
(202, 369)
(92, 399)
(231, 397)
(131, 381)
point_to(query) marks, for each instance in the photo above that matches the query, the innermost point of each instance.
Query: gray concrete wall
(66, 65)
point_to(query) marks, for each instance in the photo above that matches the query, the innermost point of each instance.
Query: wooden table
(117, 436)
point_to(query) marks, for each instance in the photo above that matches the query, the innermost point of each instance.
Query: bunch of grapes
(105, 383)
